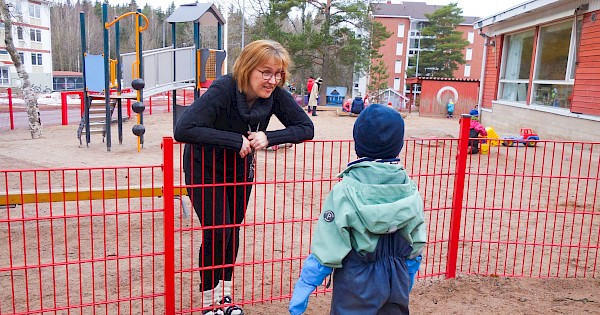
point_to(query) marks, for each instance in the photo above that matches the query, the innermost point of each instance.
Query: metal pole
(457, 196)
(119, 78)
(106, 76)
(86, 109)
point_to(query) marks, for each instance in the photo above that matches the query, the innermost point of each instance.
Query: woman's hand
(246, 147)
(258, 140)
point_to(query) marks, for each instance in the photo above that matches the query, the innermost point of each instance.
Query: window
(22, 55)
(396, 84)
(4, 78)
(552, 82)
(36, 59)
(514, 78)
(20, 32)
(398, 66)
(469, 54)
(35, 35)
(399, 48)
(400, 30)
(470, 37)
(467, 70)
(34, 10)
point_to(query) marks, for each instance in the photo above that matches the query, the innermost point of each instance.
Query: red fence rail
(125, 240)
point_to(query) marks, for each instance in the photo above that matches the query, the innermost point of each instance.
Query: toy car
(527, 137)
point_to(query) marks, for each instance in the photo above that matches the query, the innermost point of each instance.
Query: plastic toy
(527, 137)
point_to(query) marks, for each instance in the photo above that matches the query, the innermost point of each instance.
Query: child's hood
(383, 195)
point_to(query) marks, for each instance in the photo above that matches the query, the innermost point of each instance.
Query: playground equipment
(526, 136)
(159, 70)
(102, 84)
(491, 134)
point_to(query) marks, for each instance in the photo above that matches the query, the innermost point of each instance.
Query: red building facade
(541, 68)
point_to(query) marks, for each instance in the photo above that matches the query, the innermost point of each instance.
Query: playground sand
(464, 295)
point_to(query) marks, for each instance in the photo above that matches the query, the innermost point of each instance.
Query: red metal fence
(92, 240)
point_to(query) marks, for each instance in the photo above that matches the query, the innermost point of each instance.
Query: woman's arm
(197, 124)
(298, 126)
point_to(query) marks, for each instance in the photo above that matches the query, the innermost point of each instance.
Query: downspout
(482, 76)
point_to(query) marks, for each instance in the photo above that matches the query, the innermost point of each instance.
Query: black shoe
(314, 113)
(229, 308)
(215, 311)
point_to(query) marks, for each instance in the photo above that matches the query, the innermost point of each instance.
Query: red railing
(126, 240)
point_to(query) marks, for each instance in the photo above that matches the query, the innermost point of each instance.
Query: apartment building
(31, 34)
(405, 20)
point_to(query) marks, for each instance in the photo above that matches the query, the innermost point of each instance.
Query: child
(371, 229)
(475, 130)
(450, 108)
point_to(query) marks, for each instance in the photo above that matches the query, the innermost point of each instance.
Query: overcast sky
(480, 8)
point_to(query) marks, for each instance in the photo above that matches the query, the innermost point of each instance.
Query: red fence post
(150, 104)
(169, 225)
(63, 103)
(11, 115)
(457, 195)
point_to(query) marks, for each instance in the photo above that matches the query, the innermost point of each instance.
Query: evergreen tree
(378, 80)
(442, 45)
(323, 37)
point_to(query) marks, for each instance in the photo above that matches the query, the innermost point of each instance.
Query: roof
(414, 10)
(527, 7)
(66, 74)
(205, 13)
(419, 79)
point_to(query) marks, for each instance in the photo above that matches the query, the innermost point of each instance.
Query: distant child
(371, 230)
(475, 130)
(357, 105)
(450, 108)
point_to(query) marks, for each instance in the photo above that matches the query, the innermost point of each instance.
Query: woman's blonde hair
(254, 55)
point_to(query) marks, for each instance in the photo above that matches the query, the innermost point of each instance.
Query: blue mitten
(413, 267)
(312, 275)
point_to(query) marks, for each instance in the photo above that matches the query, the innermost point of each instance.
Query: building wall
(507, 119)
(436, 93)
(39, 75)
(388, 49)
(586, 90)
(582, 121)
(493, 60)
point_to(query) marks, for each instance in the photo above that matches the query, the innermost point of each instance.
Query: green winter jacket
(372, 198)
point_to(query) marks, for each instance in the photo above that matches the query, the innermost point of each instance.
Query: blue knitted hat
(474, 112)
(378, 132)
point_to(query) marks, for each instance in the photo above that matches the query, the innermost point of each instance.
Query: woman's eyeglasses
(268, 75)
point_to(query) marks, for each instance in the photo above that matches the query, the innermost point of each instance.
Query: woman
(222, 129)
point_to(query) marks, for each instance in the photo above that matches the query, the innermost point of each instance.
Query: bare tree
(33, 112)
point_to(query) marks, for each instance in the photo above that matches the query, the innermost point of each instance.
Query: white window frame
(20, 35)
(467, 72)
(35, 11)
(398, 66)
(399, 48)
(396, 84)
(4, 81)
(517, 81)
(471, 37)
(36, 59)
(35, 35)
(572, 54)
(469, 54)
(401, 30)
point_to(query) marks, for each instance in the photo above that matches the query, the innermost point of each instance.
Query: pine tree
(442, 45)
(378, 80)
